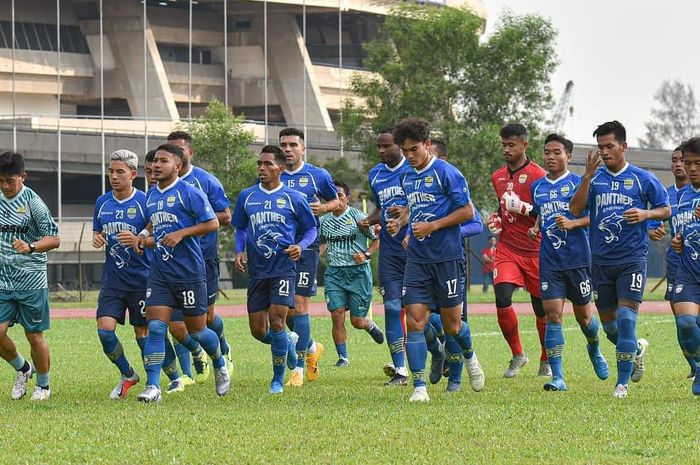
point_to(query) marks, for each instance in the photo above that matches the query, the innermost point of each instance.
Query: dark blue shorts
(264, 292)
(425, 283)
(685, 289)
(614, 282)
(191, 298)
(573, 284)
(114, 303)
(391, 269)
(306, 273)
(212, 268)
(671, 272)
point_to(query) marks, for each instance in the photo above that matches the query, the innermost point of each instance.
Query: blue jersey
(689, 226)
(434, 192)
(674, 194)
(314, 184)
(613, 239)
(560, 249)
(124, 269)
(176, 207)
(387, 190)
(214, 191)
(273, 221)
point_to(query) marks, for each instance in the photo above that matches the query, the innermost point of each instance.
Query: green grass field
(347, 416)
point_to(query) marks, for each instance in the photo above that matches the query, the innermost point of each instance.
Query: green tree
(674, 119)
(431, 63)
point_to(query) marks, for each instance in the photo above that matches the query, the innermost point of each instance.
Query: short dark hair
(678, 149)
(180, 135)
(440, 146)
(342, 185)
(291, 132)
(172, 149)
(692, 145)
(415, 129)
(513, 130)
(612, 127)
(150, 156)
(386, 130)
(568, 145)
(11, 164)
(276, 151)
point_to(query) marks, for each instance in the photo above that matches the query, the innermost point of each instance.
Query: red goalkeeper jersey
(514, 234)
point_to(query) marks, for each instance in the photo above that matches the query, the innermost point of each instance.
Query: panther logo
(422, 217)
(116, 252)
(692, 241)
(268, 243)
(556, 236)
(165, 253)
(611, 226)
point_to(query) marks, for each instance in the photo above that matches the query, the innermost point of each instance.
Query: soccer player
(620, 198)
(148, 168)
(348, 278)
(315, 184)
(657, 231)
(516, 256)
(686, 295)
(214, 191)
(274, 224)
(178, 213)
(385, 182)
(565, 258)
(439, 202)
(27, 232)
(489, 257)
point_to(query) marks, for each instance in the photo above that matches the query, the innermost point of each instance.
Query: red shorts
(514, 269)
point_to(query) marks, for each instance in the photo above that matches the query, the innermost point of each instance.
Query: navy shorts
(191, 298)
(306, 273)
(671, 272)
(391, 269)
(264, 292)
(686, 290)
(614, 282)
(425, 283)
(115, 303)
(212, 268)
(573, 284)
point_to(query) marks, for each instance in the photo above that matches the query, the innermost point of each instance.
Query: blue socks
(184, 357)
(610, 328)
(688, 335)
(688, 358)
(267, 338)
(114, 351)
(192, 345)
(394, 331)
(154, 351)
(217, 325)
(431, 339)
(436, 321)
(18, 362)
(626, 347)
(210, 343)
(417, 354)
(554, 343)
(42, 380)
(591, 333)
(278, 347)
(302, 326)
(464, 339)
(170, 361)
(453, 353)
(342, 350)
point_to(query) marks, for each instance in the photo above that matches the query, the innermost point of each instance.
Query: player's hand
(494, 223)
(395, 211)
(677, 243)
(317, 208)
(404, 242)
(423, 229)
(241, 261)
(294, 252)
(171, 239)
(358, 258)
(592, 162)
(128, 239)
(364, 226)
(635, 215)
(657, 234)
(564, 223)
(393, 227)
(513, 204)
(20, 246)
(98, 240)
(533, 232)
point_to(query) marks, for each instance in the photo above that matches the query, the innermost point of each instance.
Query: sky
(617, 52)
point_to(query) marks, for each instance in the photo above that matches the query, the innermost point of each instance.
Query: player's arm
(460, 215)
(224, 216)
(44, 244)
(534, 231)
(327, 192)
(200, 229)
(46, 226)
(580, 198)
(394, 225)
(568, 224)
(360, 257)
(658, 198)
(98, 239)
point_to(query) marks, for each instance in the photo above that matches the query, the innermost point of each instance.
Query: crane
(563, 110)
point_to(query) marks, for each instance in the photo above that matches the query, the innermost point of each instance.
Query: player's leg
(687, 305)
(158, 317)
(214, 321)
(434, 335)
(508, 322)
(33, 312)
(553, 294)
(391, 269)
(283, 344)
(630, 291)
(337, 301)
(358, 289)
(340, 336)
(25, 371)
(529, 267)
(307, 349)
(113, 349)
(419, 294)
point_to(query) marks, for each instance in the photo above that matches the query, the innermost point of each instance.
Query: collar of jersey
(398, 165)
(131, 196)
(554, 181)
(624, 168)
(512, 172)
(168, 187)
(188, 172)
(428, 166)
(16, 195)
(296, 170)
(271, 191)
